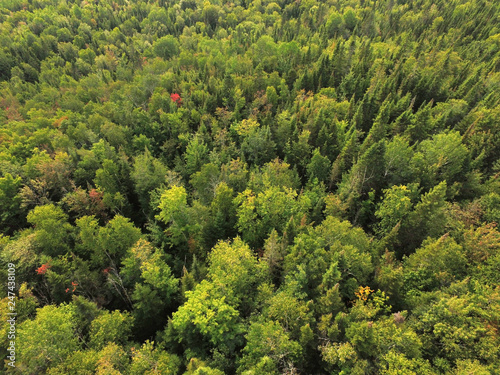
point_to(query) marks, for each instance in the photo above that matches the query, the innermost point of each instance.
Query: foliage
(250, 187)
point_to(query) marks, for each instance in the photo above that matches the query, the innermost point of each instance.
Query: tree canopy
(250, 187)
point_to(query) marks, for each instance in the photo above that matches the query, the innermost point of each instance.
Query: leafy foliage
(250, 187)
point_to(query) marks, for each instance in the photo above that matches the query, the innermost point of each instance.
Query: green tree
(269, 349)
(196, 155)
(110, 327)
(174, 212)
(258, 214)
(10, 200)
(433, 266)
(319, 167)
(428, 219)
(206, 320)
(154, 287)
(148, 174)
(258, 146)
(234, 269)
(52, 229)
(108, 244)
(395, 206)
(440, 159)
(152, 359)
(166, 47)
(48, 339)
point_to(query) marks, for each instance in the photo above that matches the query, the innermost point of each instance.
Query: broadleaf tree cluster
(251, 187)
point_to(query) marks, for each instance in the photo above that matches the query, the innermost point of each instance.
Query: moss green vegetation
(251, 187)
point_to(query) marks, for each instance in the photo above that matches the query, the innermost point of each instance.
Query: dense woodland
(251, 187)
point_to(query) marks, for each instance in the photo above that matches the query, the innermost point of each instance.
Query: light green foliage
(109, 327)
(154, 286)
(350, 18)
(207, 316)
(271, 209)
(470, 367)
(157, 273)
(22, 251)
(196, 155)
(308, 255)
(166, 47)
(87, 240)
(431, 205)
(275, 173)
(118, 236)
(491, 206)
(434, 265)
(265, 52)
(333, 24)
(153, 360)
(204, 370)
(428, 219)
(157, 289)
(482, 249)
(81, 362)
(148, 174)
(395, 206)
(210, 313)
(371, 343)
(398, 154)
(456, 326)
(263, 187)
(172, 203)
(343, 356)
(112, 360)
(108, 243)
(398, 364)
(274, 253)
(334, 229)
(48, 339)
(334, 246)
(268, 341)
(32, 164)
(175, 213)
(440, 159)
(234, 270)
(330, 299)
(25, 304)
(271, 95)
(289, 311)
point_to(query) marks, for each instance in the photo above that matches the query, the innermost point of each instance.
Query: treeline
(251, 187)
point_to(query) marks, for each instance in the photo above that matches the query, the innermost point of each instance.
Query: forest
(250, 187)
